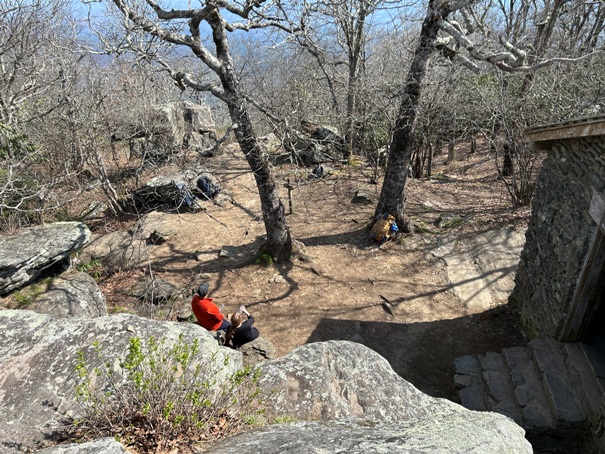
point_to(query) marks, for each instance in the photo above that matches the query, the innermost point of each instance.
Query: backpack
(382, 229)
(208, 188)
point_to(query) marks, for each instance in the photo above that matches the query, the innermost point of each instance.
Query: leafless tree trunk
(279, 242)
(392, 196)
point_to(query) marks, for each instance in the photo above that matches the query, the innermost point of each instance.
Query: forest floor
(341, 293)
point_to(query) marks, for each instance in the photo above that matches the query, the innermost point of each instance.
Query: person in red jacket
(207, 313)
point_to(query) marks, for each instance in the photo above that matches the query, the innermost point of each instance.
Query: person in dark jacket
(241, 331)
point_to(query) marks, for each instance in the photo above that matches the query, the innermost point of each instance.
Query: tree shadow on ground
(423, 353)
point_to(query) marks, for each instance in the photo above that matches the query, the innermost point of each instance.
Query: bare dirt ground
(341, 293)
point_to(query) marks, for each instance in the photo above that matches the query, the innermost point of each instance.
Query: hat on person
(202, 290)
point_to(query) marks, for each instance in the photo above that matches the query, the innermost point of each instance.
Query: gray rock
(175, 127)
(277, 279)
(318, 144)
(38, 354)
(258, 351)
(156, 291)
(465, 432)
(362, 196)
(341, 379)
(270, 144)
(170, 191)
(360, 405)
(105, 445)
(117, 251)
(127, 250)
(72, 294)
(26, 254)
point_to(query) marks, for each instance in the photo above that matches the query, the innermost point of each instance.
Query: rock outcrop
(316, 145)
(354, 399)
(358, 404)
(126, 250)
(178, 191)
(462, 434)
(26, 255)
(105, 445)
(72, 294)
(175, 127)
(38, 354)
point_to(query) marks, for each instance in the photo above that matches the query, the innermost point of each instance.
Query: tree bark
(392, 195)
(279, 241)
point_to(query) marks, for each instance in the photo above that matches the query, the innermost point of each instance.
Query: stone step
(501, 396)
(549, 357)
(549, 388)
(468, 381)
(528, 390)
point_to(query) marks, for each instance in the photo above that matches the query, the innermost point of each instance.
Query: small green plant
(117, 309)
(264, 259)
(285, 419)
(160, 396)
(25, 297)
(452, 223)
(422, 227)
(93, 268)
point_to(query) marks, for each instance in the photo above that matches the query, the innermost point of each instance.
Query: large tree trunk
(392, 196)
(279, 241)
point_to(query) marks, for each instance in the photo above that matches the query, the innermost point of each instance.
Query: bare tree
(470, 42)
(345, 45)
(184, 28)
(36, 45)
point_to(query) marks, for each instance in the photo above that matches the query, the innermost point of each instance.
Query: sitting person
(241, 332)
(207, 313)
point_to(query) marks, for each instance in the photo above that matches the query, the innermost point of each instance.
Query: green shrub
(264, 259)
(93, 268)
(159, 397)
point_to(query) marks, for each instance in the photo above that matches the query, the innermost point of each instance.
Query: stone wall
(559, 234)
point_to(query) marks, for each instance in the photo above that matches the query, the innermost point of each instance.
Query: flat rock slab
(26, 254)
(481, 269)
(105, 445)
(442, 434)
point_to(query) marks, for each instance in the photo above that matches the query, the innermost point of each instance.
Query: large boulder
(456, 434)
(123, 250)
(24, 256)
(178, 191)
(355, 402)
(38, 355)
(317, 144)
(175, 127)
(72, 294)
(358, 404)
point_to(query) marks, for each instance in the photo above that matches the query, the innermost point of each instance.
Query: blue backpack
(208, 188)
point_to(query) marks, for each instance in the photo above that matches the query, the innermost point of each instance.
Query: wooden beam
(572, 129)
(583, 299)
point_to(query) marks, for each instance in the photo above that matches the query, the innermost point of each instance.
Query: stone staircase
(554, 390)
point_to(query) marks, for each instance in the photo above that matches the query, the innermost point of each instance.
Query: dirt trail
(395, 299)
